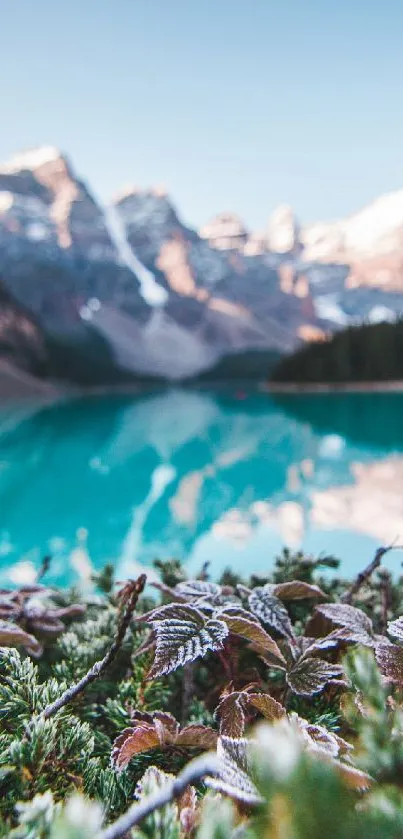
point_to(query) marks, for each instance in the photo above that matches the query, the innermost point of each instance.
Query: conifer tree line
(365, 353)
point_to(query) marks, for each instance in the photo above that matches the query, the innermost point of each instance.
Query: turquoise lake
(230, 478)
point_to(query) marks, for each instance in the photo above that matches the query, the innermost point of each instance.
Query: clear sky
(232, 105)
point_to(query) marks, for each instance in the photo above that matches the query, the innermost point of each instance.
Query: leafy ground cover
(269, 707)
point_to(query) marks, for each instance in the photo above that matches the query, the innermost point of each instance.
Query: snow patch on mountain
(31, 159)
(378, 228)
(152, 292)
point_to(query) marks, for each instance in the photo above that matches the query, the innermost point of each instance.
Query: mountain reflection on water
(228, 478)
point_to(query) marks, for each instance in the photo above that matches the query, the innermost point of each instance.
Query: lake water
(229, 478)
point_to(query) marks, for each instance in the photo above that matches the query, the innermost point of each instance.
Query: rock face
(225, 232)
(283, 232)
(134, 292)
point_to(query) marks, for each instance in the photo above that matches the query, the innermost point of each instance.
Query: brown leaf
(319, 738)
(133, 741)
(197, 736)
(187, 806)
(348, 617)
(311, 675)
(268, 707)
(166, 726)
(231, 714)
(297, 590)
(353, 778)
(12, 635)
(390, 661)
(243, 623)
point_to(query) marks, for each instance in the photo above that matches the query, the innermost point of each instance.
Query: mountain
(130, 292)
(369, 242)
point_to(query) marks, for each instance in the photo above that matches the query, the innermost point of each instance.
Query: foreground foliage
(269, 707)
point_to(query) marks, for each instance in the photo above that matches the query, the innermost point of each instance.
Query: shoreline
(335, 387)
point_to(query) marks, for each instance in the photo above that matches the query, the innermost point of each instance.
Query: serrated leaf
(187, 805)
(349, 617)
(166, 726)
(196, 589)
(319, 738)
(268, 707)
(158, 730)
(183, 634)
(243, 623)
(233, 778)
(231, 715)
(197, 736)
(395, 629)
(133, 741)
(270, 610)
(311, 675)
(352, 777)
(390, 661)
(12, 635)
(297, 590)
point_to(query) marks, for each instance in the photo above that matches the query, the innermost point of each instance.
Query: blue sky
(231, 104)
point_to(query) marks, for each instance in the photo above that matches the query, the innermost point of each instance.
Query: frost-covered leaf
(311, 675)
(12, 635)
(197, 736)
(297, 590)
(164, 821)
(232, 708)
(270, 610)
(268, 707)
(390, 662)
(231, 715)
(187, 805)
(196, 589)
(233, 778)
(319, 738)
(183, 634)
(244, 623)
(350, 618)
(158, 730)
(133, 741)
(395, 629)
(310, 646)
(352, 777)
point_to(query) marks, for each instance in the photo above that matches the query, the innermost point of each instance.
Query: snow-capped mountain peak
(31, 159)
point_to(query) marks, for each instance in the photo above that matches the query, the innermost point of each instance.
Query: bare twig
(207, 764)
(364, 575)
(129, 600)
(386, 597)
(43, 568)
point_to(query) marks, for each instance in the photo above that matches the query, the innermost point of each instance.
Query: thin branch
(44, 568)
(364, 575)
(132, 595)
(386, 600)
(207, 764)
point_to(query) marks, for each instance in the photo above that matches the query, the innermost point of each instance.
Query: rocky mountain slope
(163, 300)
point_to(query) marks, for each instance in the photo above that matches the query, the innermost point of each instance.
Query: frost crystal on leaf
(233, 778)
(183, 634)
(311, 675)
(395, 629)
(269, 609)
